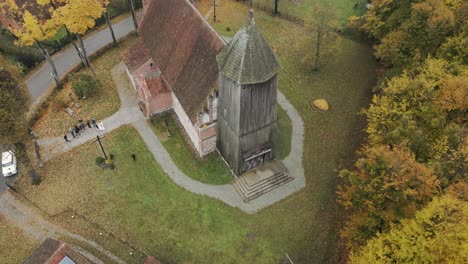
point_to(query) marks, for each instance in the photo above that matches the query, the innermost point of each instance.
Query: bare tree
(324, 16)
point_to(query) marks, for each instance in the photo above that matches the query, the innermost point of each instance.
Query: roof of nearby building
(135, 55)
(248, 58)
(52, 251)
(184, 47)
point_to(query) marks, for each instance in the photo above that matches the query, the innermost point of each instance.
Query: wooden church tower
(248, 83)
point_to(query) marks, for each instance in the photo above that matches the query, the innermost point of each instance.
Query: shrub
(100, 160)
(84, 85)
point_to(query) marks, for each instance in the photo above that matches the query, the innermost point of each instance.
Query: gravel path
(129, 113)
(34, 225)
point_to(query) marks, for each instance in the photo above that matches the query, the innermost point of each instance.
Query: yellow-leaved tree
(51, 8)
(437, 234)
(79, 16)
(30, 30)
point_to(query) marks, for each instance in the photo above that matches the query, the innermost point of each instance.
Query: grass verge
(16, 245)
(283, 134)
(210, 169)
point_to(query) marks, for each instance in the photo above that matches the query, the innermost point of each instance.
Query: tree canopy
(417, 136)
(79, 15)
(437, 234)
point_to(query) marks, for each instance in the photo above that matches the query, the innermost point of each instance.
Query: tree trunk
(51, 62)
(109, 23)
(317, 48)
(78, 51)
(85, 56)
(276, 7)
(132, 7)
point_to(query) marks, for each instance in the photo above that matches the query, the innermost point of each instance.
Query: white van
(9, 166)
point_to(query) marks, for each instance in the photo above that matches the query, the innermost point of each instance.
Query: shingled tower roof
(248, 58)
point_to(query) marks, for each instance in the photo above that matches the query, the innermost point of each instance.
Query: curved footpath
(129, 113)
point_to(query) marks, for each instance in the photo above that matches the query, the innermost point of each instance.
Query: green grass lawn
(303, 8)
(139, 203)
(209, 169)
(283, 134)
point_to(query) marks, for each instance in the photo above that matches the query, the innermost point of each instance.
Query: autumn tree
(386, 185)
(409, 31)
(31, 31)
(421, 103)
(14, 102)
(79, 16)
(437, 234)
(407, 109)
(51, 6)
(323, 40)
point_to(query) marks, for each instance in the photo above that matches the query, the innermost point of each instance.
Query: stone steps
(250, 192)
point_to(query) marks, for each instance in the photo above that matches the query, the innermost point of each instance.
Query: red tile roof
(184, 46)
(135, 55)
(52, 252)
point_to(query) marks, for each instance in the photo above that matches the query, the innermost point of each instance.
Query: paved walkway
(34, 225)
(129, 113)
(227, 193)
(41, 80)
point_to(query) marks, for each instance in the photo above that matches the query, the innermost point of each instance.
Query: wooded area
(417, 140)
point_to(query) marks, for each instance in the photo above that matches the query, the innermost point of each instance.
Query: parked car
(9, 165)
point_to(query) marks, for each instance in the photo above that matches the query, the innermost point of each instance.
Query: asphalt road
(6, 179)
(40, 81)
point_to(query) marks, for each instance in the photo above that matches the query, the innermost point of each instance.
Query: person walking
(77, 131)
(72, 132)
(66, 139)
(88, 123)
(93, 121)
(82, 125)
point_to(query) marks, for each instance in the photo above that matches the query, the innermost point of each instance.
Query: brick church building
(224, 94)
(173, 65)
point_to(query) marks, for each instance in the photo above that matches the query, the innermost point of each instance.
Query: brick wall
(160, 103)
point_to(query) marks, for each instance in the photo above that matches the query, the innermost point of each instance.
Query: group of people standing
(79, 128)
